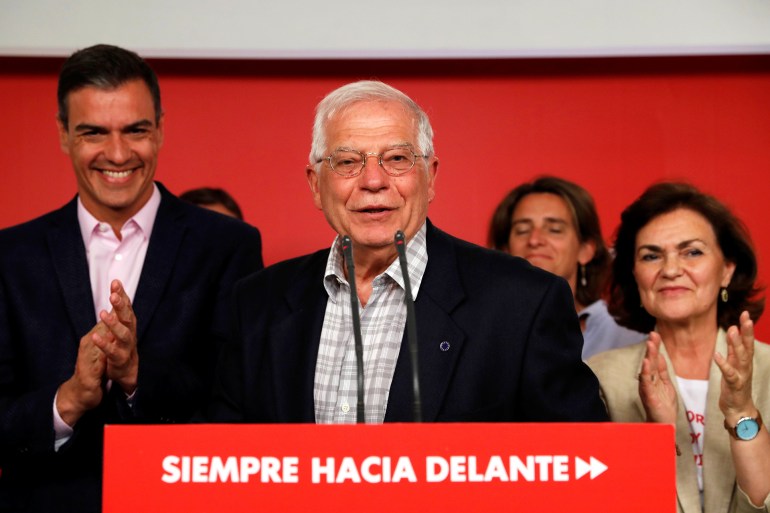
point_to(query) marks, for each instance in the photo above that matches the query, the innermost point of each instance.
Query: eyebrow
(548, 220)
(86, 127)
(389, 147)
(144, 123)
(681, 245)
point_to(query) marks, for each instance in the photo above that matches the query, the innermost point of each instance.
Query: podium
(394, 468)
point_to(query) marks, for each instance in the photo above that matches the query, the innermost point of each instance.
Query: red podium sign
(390, 468)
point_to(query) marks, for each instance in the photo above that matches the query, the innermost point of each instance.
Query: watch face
(747, 429)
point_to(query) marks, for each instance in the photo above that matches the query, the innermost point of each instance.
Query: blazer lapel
(718, 470)
(687, 479)
(440, 340)
(68, 254)
(294, 341)
(162, 253)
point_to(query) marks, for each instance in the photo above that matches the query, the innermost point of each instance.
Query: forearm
(752, 466)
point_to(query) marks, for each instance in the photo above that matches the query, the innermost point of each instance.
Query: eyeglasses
(349, 163)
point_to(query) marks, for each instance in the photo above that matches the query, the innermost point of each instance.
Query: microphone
(347, 250)
(411, 323)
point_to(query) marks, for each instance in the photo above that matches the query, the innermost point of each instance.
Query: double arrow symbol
(593, 467)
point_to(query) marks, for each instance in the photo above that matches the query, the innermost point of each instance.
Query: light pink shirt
(110, 258)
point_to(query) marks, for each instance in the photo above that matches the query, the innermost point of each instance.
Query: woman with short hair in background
(553, 224)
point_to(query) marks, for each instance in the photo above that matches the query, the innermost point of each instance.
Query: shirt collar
(591, 309)
(144, 219)
(416, 257)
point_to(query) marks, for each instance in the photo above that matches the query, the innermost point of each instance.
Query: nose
(116, 149)
(535, 237)
(671, 266)
(373, 176)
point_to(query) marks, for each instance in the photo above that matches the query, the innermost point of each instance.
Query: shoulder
(599, 319)
(479, 263)
(64, 215)
(602, 332)
(202, 223)
(618, 363)
(617, 371)
(280, 276)
(30, 236)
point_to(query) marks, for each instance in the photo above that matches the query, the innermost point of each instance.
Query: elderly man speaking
(498, 339)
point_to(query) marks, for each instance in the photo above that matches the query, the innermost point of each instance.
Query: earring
(723, 295)
(583, 280)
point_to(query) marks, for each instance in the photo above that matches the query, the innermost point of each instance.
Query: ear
(727, 273)
(432, 172)
(312, 179)
(586, 252)
(64, 136)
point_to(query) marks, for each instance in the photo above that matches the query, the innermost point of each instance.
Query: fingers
(121, 335)
(652, 359)
(747, 334)
(119, 343)
(121, 321)
(737, 368)
(90, 364)
(121, 304)
(104, 341)
(655, 387)
(120, 346)
(729, 373)
(83, 391)
(646, 376)
(90, 350)
(740, 346)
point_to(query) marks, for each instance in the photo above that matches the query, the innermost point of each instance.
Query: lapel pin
(444, 346)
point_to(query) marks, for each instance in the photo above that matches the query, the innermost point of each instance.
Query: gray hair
(366, 90)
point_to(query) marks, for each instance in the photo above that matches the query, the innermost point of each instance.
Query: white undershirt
(693, 393)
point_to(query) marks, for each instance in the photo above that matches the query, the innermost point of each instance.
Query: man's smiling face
(113, 138)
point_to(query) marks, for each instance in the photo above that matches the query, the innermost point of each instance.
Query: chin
(373, 238)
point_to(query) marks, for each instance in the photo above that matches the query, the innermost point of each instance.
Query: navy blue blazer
(514, 343)
(181, 303)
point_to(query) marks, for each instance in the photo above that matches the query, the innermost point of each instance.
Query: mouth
(373, 210)
(672, 290)
(117, 175)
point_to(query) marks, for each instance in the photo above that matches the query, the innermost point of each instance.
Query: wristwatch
(746, 428)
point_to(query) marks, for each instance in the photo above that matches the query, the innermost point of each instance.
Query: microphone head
(347, 251)
(399, 238)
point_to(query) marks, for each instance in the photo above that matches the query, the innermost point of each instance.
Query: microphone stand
(411, 323)
(347, 249)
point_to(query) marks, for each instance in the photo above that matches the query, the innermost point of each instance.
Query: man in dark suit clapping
(112, 308)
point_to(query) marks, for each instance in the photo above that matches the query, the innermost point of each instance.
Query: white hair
(366, 90)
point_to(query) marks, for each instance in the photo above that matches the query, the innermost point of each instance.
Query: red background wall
(612, 125)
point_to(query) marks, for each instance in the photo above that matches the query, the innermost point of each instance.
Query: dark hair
(584, 217)
(733, 239)
(104, 67)
(212, 196)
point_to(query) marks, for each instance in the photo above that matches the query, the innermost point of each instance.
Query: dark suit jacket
(514, 343)
(193, 259)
